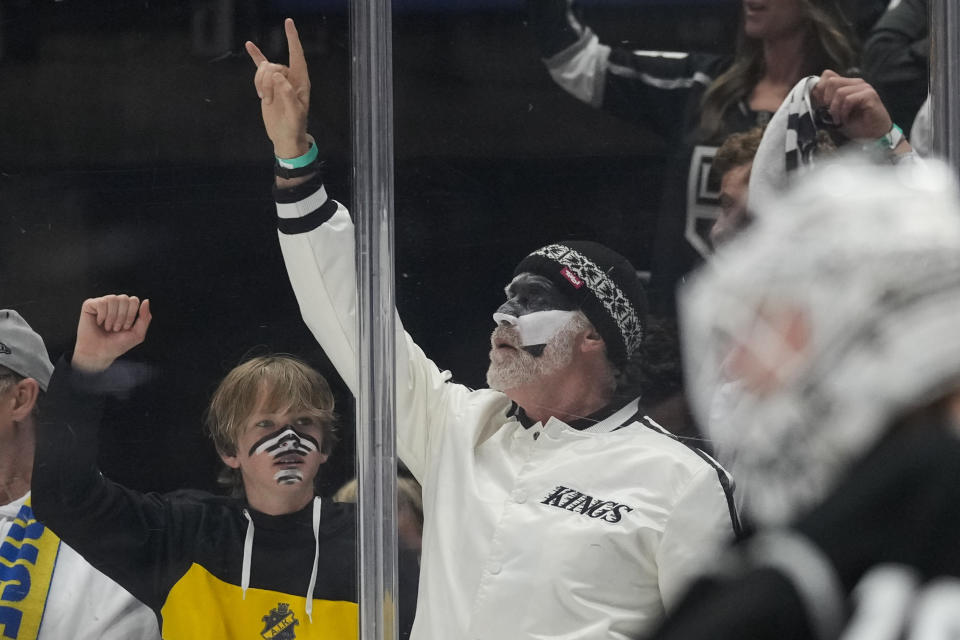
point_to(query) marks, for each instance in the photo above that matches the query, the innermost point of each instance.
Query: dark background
(133, 160)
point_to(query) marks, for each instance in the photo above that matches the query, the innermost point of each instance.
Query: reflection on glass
(945, 114)
(134, 160)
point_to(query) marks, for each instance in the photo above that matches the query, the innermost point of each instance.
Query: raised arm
(284, 93)
(124, 534)
(654, 88)
(109, 326)
(856, 108)
(317, 238)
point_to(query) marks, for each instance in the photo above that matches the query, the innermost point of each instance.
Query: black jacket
(182, 554)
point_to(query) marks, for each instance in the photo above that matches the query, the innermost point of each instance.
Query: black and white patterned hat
(22, 350)
(603, 284)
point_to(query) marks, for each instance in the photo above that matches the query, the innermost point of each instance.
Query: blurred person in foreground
(832, 320)
(47, 590)
(553, 506)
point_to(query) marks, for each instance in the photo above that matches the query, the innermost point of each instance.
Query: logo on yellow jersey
(279, 624)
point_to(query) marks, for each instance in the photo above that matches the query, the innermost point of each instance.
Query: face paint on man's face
(528, 296)
(513, 365)
(536, 329)
(529, 293)
(287, 447)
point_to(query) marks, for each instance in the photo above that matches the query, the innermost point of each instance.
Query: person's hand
(109, 327)
(854, 106)
(284, 96)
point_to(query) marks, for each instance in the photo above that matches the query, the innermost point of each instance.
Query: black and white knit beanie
(603, 284)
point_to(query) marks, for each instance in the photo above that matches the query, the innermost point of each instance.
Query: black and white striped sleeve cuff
(303, 208)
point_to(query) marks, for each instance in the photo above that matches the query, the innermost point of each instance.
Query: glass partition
(372, 93)
(944, 79)
(134, 160)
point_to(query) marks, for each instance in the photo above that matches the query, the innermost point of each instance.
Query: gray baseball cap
(22, 350)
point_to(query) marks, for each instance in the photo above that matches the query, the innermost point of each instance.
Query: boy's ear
(231, 461)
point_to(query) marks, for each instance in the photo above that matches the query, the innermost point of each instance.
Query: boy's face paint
(278, 455)
(288, 449)
(288, 476)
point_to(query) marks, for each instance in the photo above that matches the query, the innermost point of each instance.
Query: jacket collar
(609, 418)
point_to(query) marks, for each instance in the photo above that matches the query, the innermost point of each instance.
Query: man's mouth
(504, 338)
(754, 7)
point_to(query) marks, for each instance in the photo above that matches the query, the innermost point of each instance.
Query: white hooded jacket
(547, 531)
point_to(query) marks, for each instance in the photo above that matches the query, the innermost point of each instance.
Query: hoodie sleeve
(132, 538)
(653, 88)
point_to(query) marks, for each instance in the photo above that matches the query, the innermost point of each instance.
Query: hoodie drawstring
(316, 556)
(247, 554)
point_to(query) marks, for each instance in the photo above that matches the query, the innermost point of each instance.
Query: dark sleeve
(299, 192)
(759, 605)
(553, 24)
(659, 88)
(896, 60)
(896, 506)
(654, 88)
(126, 535)
(408, 581)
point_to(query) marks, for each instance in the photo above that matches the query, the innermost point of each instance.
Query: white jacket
(82, 603)
(529, 533)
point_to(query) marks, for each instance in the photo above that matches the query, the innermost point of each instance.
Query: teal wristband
(890, 141)
(301, 161)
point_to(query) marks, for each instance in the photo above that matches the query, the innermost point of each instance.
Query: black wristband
(284, 172)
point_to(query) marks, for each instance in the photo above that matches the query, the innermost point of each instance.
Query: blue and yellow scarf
(27, 556)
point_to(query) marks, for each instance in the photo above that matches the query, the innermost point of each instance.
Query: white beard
(513, 368)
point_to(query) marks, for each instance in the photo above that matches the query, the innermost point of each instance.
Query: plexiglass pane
(135, 161)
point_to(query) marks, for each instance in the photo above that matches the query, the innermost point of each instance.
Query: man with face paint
(552, 506)
(273, 557)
